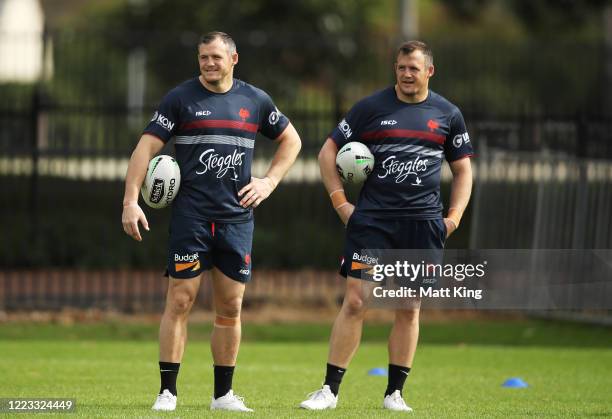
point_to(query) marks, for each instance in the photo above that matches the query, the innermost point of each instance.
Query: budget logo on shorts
(363, 262)
(188, 261)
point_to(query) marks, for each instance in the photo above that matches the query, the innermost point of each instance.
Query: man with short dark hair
(214, 119)
(410, 130)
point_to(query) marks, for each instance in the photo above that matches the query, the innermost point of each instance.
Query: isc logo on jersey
(388, 122)
(163, 121)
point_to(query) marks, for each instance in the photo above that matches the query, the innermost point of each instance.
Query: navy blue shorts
(196, 246)
(365, 232)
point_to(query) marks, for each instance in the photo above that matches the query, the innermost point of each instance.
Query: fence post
(482, 163)
(338, 111)
(580, 209)
(540, 216)
(35, 144)
(33, 192)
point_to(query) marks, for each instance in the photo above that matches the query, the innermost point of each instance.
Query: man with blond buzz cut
(410, 130)
(214, 119)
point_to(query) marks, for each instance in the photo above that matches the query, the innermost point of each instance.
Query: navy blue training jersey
(215, 136)
(408, 142)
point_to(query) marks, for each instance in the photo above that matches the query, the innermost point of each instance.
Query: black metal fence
(65, 140)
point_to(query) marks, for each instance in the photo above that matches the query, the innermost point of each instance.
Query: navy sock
(168, 372)
(223, 380)
(333, 377)
(397, 378)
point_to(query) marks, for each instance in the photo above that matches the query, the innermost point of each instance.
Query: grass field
(110, 369)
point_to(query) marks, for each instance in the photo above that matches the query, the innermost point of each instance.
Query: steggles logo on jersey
(222, 164)
(345, 128)
(163, 121)
(401, 170)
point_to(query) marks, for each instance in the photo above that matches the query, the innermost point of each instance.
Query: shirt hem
(388, 215)
(215, 219)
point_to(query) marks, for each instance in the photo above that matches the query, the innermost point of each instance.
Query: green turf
(111, 369)
(481, 332)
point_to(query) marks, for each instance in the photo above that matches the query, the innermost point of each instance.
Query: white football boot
(320, 400)
(165, 401)
(394, 401)
(229, 402)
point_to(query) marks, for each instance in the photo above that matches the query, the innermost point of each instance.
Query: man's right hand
(132, 214)
(345, 212)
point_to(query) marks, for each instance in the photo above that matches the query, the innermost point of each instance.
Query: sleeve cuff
(155, 134)
(463, 156)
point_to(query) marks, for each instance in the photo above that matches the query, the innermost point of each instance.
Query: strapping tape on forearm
(338, 198)
(221, 321)
(455, 216)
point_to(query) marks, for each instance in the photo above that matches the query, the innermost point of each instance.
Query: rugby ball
(162, 181)
(354, 162)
